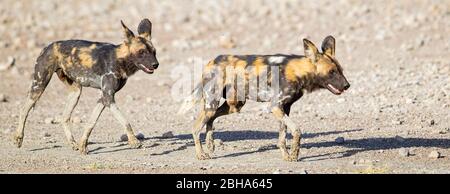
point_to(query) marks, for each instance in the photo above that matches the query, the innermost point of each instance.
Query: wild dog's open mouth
(145, 69)
(334, 90)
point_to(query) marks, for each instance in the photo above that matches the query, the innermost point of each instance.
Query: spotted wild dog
(278, 79)
(104, 66)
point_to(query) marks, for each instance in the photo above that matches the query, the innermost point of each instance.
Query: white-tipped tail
(190, 101)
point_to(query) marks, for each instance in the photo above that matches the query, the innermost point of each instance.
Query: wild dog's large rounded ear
(311, 50)
(145, 29)
(129, 35)
(329, 45)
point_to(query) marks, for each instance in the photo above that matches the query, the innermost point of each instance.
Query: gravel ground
(394, 119)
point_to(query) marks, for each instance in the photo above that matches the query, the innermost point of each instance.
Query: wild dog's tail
(191, 100)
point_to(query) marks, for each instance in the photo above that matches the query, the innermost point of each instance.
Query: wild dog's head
(329, 73)
(139, 49)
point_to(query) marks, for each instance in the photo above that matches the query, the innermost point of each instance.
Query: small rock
(404, 152)
(432, 122)
(434, 155)
(77, 120)
(353, 162)
(46, 134)
(277, 171)
(399, 139)
(409, 101)
(9, 64)
(340, 140)
(340, 100)
(167, 135)
(444, 131)
(49, 120)
(124, 137)
(3, 98)
(218, 142)
(227, 42)
(304, 171)
(140, 136)
(148, 100)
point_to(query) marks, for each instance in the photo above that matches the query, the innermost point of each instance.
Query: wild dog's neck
(124, 61)
(303, 72)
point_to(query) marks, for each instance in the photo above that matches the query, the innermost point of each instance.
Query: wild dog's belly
(85, 77)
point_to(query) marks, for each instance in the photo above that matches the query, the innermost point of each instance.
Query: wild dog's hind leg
(41, 77)
(90, 125)
(203, 118)
(223, 110)
(72, 101)
(296, 133)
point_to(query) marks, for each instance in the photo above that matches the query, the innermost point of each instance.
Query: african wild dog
(288, 78)
(104, 66)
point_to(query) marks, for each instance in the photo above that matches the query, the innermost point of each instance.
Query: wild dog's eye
(141, 52)
(333, 71)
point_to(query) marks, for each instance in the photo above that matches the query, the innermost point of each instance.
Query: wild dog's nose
(155, 65)
(347, 86)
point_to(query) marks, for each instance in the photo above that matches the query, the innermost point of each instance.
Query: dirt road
(395, 54)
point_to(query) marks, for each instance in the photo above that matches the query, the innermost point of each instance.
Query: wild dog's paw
(210, 145)
(291, 158)
(203, 156)
(135, 144)
(83, 149)
(74, 145)
(18, 141)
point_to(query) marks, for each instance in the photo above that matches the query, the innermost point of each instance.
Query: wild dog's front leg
(132, 140)
(296, 133)
(110, 85)
(90, 125)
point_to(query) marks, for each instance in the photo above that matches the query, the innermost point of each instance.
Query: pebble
(434, 155)
(444, 131)
(403, 152)
(304, 172)
(277, 171)
(9, 64)
(140, 136)
(168, 135)
(49, 120)
(340, 140)
(46, 134)
(340, 100)
(124, 137)
(432, 122)
(227, 42)
(218, 142)
(400, 139)
(77, 120)
(3, 98)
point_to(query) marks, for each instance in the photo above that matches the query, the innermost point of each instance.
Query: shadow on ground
(355, 145)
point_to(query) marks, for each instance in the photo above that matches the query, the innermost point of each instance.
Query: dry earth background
(396, 55)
